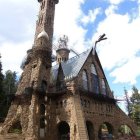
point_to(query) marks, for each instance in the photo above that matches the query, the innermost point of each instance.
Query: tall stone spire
(45, 20)
(33, 85)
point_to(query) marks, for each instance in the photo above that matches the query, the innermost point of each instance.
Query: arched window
(44, 86)
(94, 79)
(105, 127)
(93, 69)
(42, 109)
(85, 80)
(103, 87)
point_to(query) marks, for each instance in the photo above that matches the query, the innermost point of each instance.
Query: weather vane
(101, 37)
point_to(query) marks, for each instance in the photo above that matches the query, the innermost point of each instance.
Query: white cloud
(91, 17)
(128, 72)
(66, 22)
(116, 2)
(16, 29)
(13, 54)
(110, 10)
(16, 19)
(118, 53)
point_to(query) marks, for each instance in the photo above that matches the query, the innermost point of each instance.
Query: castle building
(68, 101)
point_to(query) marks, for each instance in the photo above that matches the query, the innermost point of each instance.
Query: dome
(44, 35)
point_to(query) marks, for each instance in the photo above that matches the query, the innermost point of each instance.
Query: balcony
(96, 96)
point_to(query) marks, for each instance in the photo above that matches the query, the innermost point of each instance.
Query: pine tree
(135, 105)
(128, 103)
(9, 89)
(10, 82)
(1, 82)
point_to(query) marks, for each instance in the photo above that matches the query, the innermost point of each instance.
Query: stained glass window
(103, 87)
(85, 80)
(94, 80)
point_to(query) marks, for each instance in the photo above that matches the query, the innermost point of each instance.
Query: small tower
(62, 52)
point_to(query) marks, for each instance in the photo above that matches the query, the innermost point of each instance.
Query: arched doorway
(15, 128)
(125, 131)
(90, 130)
(105, 131)
(63, 131)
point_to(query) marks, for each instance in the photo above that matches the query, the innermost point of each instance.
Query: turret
(62, 52)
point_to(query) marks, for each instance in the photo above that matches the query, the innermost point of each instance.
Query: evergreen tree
(8, 86)
(128, 103)
(1, 82)
(135, 105)
(10, 82)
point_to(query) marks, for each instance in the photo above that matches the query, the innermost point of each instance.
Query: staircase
(80, 119)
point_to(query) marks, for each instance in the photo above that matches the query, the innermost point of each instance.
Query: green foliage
(1, 82)
(124, 129)
(135, 98)
(10, 83)
(138, 132)
(134, 105)
(9, 87)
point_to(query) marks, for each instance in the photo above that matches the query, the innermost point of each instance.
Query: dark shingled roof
(71, 67)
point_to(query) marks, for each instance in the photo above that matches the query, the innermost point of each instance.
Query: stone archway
(125, 131)
(63, 131)
(90, 130)
(105, 130)
(15, 128)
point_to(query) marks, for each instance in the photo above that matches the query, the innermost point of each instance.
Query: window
(94, 80)
(42, 109)
(44, 86)
(85, 80)
(103, 87)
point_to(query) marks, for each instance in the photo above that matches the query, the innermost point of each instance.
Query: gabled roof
(71, 67)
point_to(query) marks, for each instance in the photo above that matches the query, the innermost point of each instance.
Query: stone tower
(68, 101)
(25, 113)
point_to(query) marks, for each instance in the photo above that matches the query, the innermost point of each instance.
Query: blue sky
(83, 21)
